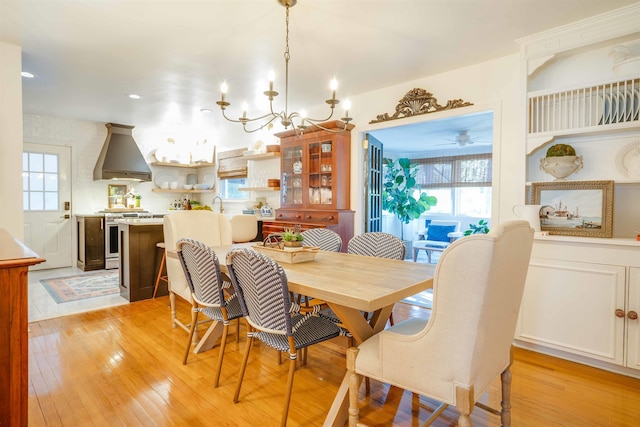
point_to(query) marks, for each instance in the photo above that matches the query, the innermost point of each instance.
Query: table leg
(210, 338)
(355, 322)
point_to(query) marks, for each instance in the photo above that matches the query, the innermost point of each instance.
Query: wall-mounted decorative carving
(417, 102)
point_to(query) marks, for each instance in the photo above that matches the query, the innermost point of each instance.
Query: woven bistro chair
(323, 238)
(261, 284)
(202, 271)
(375, 244)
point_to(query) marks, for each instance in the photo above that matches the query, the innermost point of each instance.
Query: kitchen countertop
(140, 221)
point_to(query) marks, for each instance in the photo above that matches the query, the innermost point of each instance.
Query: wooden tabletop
(356, 281)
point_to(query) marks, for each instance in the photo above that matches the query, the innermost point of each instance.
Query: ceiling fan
(461, 139)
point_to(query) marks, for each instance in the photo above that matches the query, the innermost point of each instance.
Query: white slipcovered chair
(454, 356)
(439, 235)
(212, 229)
(244, 228)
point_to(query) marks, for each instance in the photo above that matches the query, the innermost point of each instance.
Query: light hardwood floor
(122, 366)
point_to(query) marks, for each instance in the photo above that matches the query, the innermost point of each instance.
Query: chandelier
(298, 121)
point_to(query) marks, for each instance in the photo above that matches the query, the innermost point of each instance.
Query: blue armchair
(439, 235)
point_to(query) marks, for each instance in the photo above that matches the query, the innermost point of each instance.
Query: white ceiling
(89, 55)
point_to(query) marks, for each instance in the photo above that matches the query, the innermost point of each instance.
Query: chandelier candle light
(299, 121)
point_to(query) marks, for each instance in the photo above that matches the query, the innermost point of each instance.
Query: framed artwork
(117, 194)
(575, 208)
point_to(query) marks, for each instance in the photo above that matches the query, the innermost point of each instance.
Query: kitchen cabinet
(581, 302)
(90, 242)
(139, 257)
(315, 181)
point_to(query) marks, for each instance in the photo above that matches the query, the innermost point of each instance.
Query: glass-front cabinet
(315, 180)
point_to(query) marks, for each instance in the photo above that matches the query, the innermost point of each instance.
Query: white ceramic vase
(562, 166)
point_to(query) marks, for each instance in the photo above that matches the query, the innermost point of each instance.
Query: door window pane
(40, 182)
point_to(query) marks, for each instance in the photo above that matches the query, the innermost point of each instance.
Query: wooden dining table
(350, 285)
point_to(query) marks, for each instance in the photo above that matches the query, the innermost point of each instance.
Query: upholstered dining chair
(454, 356)
(261, 284)
(202, 271)
(325, 239)
(212, 229)
(244, 228)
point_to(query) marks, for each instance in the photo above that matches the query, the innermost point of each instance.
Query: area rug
(83, 286)
(423, 299)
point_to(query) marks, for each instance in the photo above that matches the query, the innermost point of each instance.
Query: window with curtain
(232, 171)
(461, 184)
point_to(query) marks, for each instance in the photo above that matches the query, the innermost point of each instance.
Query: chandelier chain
(286, 118)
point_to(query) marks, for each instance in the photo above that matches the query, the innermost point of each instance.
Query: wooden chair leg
(160, 276)
(505, 414)
(464, 405)
(194, 322)
(247, 349)
(287, 396)
(223, 344)
(354, 386)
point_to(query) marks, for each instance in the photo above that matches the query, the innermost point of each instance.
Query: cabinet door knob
(308, 216)
(632, 315)
(619, 313)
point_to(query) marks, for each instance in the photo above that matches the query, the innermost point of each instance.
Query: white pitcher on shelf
(530, 213)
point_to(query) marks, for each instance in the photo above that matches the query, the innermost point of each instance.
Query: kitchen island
(139, 257)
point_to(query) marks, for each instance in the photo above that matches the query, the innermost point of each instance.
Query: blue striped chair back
(325, 239)
(261, 284)
(377, 244)
(202, 271)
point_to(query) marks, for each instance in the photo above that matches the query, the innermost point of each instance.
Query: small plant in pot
(291, 237)
(561, 161)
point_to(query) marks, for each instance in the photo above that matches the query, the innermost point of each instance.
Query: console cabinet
(581, 302)
(315, 181)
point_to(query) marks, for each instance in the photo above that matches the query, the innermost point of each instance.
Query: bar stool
(162, 263)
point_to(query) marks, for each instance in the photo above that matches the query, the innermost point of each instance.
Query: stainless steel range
(111, 237)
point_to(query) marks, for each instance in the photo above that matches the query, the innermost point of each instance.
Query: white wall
(491, 85)
(11, 214)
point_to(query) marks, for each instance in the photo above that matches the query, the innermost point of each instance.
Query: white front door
(46, 191)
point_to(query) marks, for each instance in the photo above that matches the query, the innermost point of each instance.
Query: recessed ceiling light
(27, 74)
(205, 110)
(134, 96)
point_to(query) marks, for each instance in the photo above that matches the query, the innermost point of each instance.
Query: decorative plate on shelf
(209, 179)
(628, 160)
(164, 177)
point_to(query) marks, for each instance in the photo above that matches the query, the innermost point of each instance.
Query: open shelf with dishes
(585, 110)
(180, 190)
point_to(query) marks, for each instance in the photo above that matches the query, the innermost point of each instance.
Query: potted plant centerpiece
(400, 191)
(561, 161)
(291, 237)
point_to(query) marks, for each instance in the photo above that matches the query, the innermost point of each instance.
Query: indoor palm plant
(399, 193)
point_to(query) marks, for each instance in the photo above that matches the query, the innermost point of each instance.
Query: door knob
(620, 313)
(632, 315)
